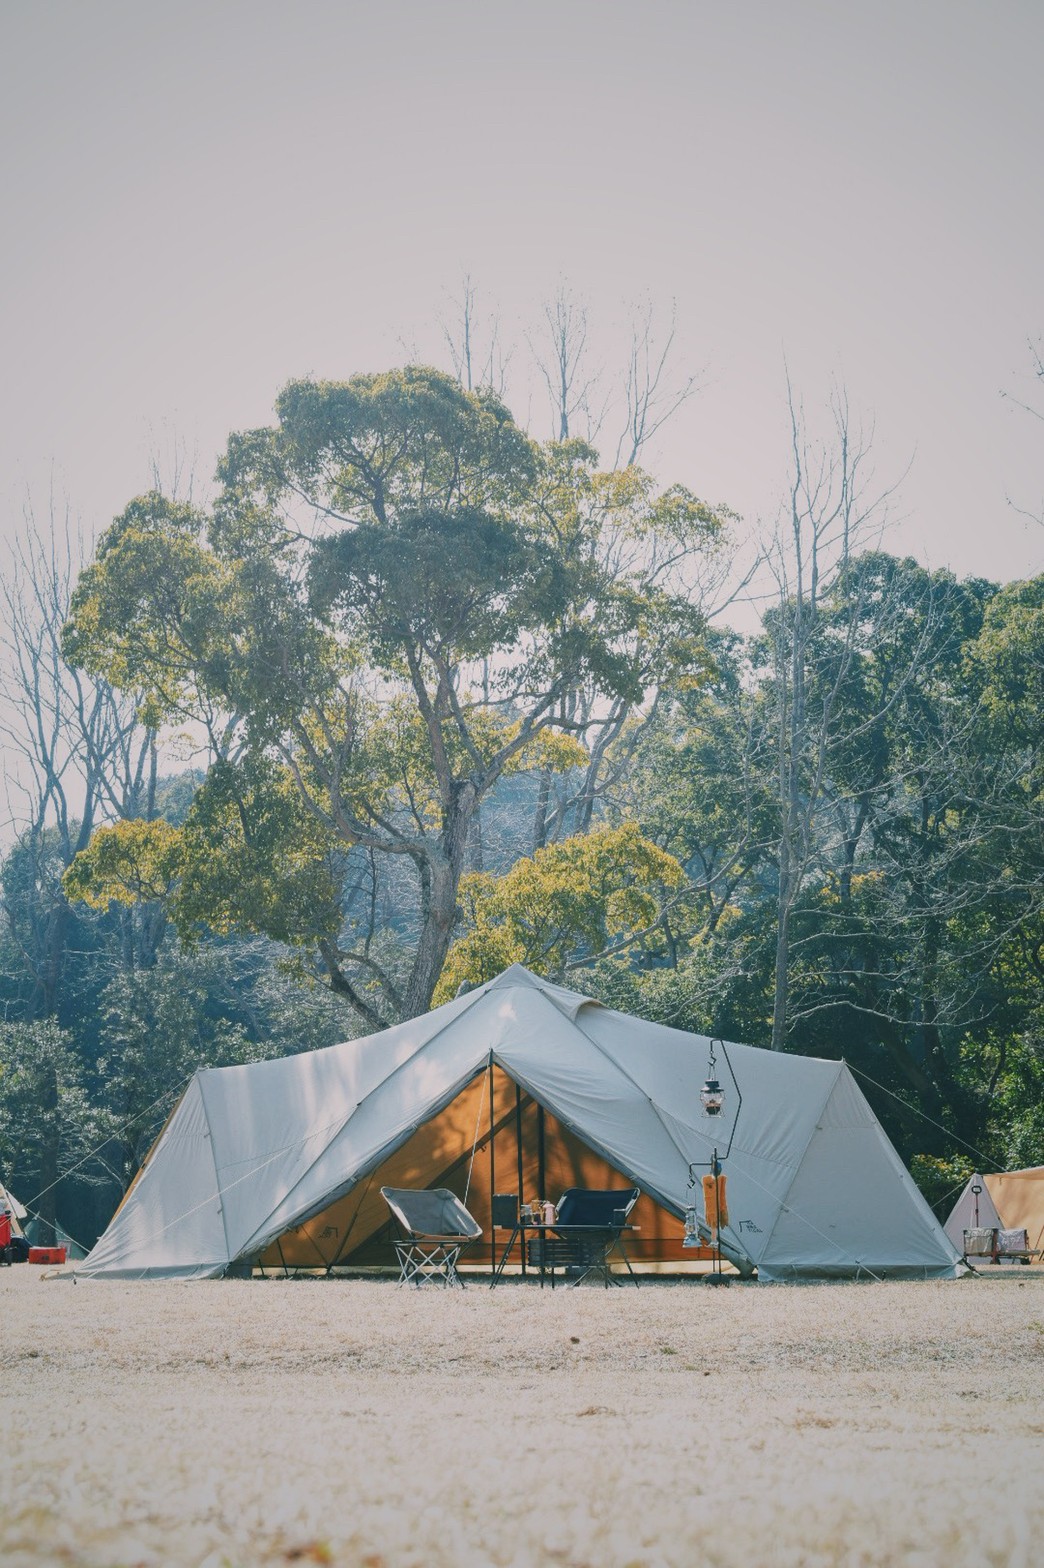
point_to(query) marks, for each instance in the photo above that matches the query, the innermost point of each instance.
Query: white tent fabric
(815, 1187)
(9, 1201)
(972, 1210)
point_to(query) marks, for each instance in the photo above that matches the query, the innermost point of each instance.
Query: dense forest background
(414, 696)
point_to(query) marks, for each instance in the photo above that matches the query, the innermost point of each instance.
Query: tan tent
(1007, 1200)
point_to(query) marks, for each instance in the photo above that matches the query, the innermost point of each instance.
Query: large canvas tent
(282, 1161)
(1007, 1200)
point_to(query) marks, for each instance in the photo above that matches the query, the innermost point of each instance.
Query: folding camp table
(437, 1229)
(589, 1228)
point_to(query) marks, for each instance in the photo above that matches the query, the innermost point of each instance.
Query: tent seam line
(797, 1169)
(369, 1093)
(213, 1159)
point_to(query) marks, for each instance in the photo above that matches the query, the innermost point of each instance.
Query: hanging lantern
(712, 1095)
(715, 1217)
(692, 1237)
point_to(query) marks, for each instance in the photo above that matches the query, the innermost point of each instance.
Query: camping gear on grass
(588, 1229)
(1000, 1215)
(282, 1161)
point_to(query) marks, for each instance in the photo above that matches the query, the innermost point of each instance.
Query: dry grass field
(356, 1424)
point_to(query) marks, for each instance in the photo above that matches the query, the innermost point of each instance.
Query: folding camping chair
(438, 1228)
(588, 1229)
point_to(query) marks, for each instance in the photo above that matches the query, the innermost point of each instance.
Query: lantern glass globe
(712, 1097)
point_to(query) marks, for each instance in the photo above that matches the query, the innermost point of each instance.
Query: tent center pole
(541, 1156)
(518, 1153)
(492, 1169)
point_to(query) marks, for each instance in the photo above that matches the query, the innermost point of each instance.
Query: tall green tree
(396, 596)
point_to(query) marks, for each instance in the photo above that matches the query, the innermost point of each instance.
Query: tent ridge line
(147, 1161)
(650, 1189)
(585, 1138)
(447, 1172)
(656, 1110)
(661, 1111)
(209, 1269)
(875, 1124)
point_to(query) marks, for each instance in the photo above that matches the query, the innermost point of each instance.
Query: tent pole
(541, 1156)
(492, 1169)
(518, 1151)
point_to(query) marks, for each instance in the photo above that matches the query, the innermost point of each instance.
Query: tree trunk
(48, 1199)
(779, 989)
(440, 881)
(540, 818)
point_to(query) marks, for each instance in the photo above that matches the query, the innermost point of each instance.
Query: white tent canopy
(18, 1212)
(972, 1209)
(815, 1187)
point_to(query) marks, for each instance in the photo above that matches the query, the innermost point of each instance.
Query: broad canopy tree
(397, 598)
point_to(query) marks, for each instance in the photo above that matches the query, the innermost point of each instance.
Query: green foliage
(128, 863)
(566, 903)
(418, 641)
(390, 580)
(1007, 662)
(375, 445)
(915, 936)
(150, 614)
(160, 1025)
(941, 1179)
(255, 859)
(397, 595)
(48, 951)
(249, 857)
(48, 1122)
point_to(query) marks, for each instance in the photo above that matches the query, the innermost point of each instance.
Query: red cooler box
(46, 1254)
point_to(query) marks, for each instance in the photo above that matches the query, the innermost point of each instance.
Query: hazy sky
(204, 200)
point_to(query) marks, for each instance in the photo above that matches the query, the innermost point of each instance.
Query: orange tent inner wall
(356, 1231)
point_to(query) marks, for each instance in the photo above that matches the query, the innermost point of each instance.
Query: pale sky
(203, 200)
